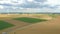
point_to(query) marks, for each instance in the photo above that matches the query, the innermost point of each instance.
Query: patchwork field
(18, 23)
(4, 25)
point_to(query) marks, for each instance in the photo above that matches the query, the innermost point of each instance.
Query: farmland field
(29, 23)
(29, 20)
(4, 25)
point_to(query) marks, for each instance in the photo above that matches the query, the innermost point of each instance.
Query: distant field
(4, 25)
(54, 15)
(29, 20)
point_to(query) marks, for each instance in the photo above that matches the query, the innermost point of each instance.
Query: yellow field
(50, 26)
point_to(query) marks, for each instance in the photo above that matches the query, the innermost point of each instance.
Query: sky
(43, 5)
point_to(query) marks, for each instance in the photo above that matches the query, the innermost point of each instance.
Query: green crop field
(4, 25)
(29, 20)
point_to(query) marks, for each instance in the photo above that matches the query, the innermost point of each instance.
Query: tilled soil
(49, 27)
(20, 26)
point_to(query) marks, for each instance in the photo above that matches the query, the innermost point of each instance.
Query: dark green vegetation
(29, 20)
(4, 25)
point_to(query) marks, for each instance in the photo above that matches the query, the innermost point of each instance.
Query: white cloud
(18, 2)
(53, 2)
(30, 0)
(1, 7)
(13, 2)
(5, 1)
(14, 7)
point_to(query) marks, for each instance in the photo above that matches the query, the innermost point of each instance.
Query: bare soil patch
(20, 24)
(49, 27)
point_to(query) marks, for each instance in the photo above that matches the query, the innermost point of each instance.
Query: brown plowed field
(49, 27)
(27, 28)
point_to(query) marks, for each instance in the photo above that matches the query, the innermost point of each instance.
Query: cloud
(40, 0)
(21, 4)
(1, 7)
(30, 3)
(13, 2)
(30, 0)
(53, 2)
